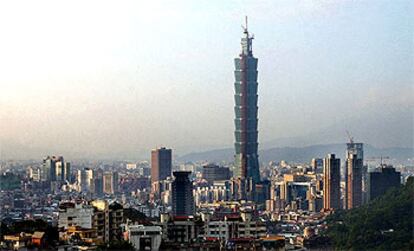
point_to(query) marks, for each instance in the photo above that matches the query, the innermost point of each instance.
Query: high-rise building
(316, 164)
(246, 109)
(86, 180)
(295, 190)
(182, 194)
(242, 189)
(380, 182)
(34, 173)
(213, 173)
(98, 185)
(49, 169)
(331, 182)
(160, 168)
(160, 164)
(53, 168)
(60, 171)
(67, 172)
(63, 172)
(110, 182)
(353, 170)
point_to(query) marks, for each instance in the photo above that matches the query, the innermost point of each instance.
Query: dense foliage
(385, 223)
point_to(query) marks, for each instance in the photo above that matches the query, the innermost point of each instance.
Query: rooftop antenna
(245, 26)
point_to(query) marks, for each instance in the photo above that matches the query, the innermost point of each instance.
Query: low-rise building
(16, 241)
(213, 173)
(100, 220)
(235, 225)
(181, 229)
(144, 237)
(38, 239)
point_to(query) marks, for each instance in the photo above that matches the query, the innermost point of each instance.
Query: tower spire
(246, 41)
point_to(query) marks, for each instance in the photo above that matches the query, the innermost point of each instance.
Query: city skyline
(153, 125)
(85, 90)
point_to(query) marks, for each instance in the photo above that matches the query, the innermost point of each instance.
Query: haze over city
(220, 125)
(137, 75)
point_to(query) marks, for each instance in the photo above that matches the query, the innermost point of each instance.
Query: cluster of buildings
(93, 222)
(157, 205)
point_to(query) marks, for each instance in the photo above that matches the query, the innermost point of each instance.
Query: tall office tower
(160, 164)
(60, 171)
(182, 194)
(107, 181)
(52, 168)
(115, 182)
(246, 157)
(353, 170)
(48, 169)
(85, 180)
(67, 173)
(364, 186)
(110, 182)
(99, 182)
(79, 178)
(316, 164)
(34, 173)
(331, 182)
(380, 182)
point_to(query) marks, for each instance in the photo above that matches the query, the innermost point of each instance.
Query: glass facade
(246, 111)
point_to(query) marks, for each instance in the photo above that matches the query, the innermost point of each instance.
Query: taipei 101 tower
(246, 134)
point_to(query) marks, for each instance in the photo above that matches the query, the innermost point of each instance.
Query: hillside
(386, 223)
(299, 154)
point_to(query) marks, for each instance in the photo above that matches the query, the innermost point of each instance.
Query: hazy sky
(89, 78)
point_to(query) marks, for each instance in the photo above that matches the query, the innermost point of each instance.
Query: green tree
(385, 223)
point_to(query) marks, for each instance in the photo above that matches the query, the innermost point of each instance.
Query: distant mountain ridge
(300, 154)
(389, 129)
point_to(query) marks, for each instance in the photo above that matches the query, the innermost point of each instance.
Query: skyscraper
(353, 172)
(85, 180)
(331, 182)
(67, 172)
(160, 164)
(317, 164)
(99, 182)
(52, 168)
(110, 182)
(246, 157)
(182, 194)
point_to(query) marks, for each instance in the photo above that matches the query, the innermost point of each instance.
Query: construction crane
(351, 139)
(381, 158)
